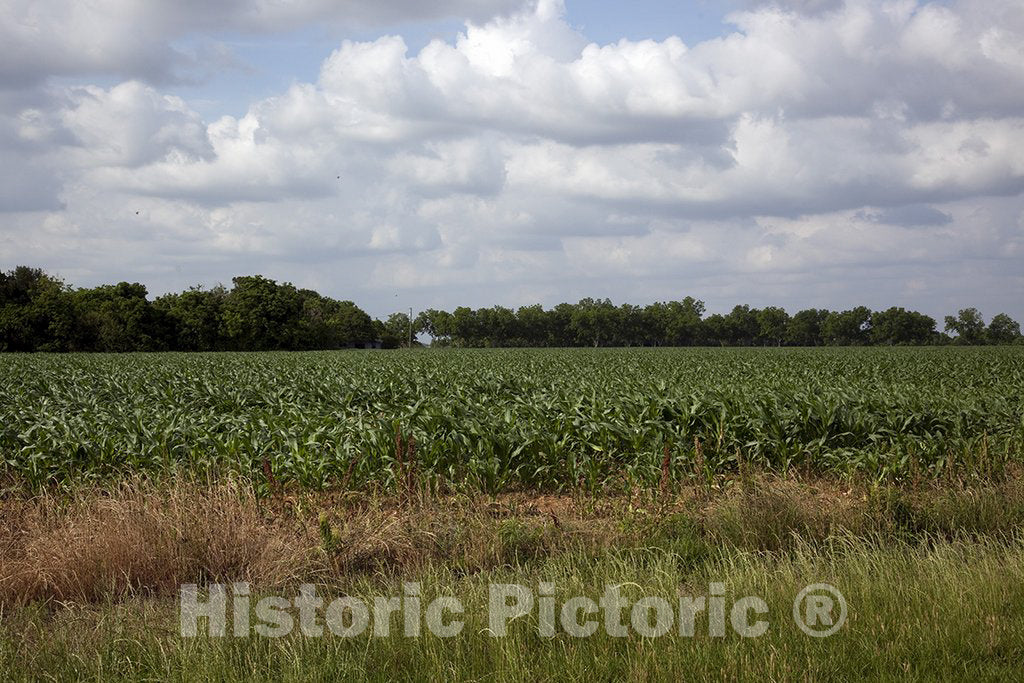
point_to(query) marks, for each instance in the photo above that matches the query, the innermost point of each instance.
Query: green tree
(496, 326)
(119, 318)
(195, 316)
(438, 324)
(534, 327)
(742, 326)
(560, 331)
(595, 321)
(396, 330)
(465, 329)
(631, 325)
(899, 326)
(772, 324)
(330, 324)
(683, 325)
(261, 315)
(352, 325)
(717, 329)
(1003, 329)
(804, 328)
(37, 312)
(968, 325)
(852, 327)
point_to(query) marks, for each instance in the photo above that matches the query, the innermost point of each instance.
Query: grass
(933, 576)
(149, 537)
(917, 611)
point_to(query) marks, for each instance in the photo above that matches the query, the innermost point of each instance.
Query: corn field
(500, 419)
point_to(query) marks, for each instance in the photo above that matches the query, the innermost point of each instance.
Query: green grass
(931, 611)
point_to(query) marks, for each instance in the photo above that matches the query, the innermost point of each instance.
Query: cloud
(131, 125)
(732, 126)
(802, 152)
(908, 215)
(136, 40)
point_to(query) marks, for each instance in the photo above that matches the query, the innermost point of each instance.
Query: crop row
(505, 418)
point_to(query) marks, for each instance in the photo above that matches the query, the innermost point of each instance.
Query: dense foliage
(505, 418)
(40, 313)
(682, 323)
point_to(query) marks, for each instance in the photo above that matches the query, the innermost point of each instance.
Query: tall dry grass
(147, 538)
(143, 538)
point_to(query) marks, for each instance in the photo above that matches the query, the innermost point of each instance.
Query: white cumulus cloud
(844, 149)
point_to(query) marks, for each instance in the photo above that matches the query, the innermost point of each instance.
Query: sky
(802, 153)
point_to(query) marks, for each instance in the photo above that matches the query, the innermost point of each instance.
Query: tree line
(39, 312)
(598, 322)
